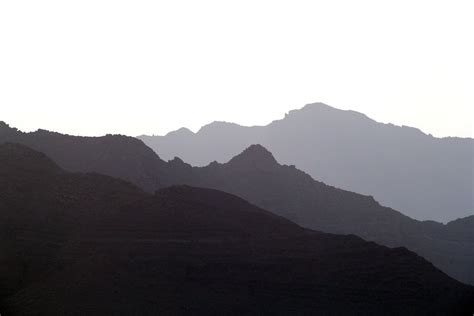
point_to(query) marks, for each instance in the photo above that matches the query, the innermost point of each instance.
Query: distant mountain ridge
(256, 176)
(89, 244)
(425, 177)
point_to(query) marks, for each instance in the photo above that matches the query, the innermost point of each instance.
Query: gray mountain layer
(424, 177)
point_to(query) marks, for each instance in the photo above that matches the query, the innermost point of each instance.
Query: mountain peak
(321, 112)
(257, 155)
(178, 162)
(318, 105)
(183, 131)
(313, 107)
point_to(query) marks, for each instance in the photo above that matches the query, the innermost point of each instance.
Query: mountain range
(425, 177)
(256, 176)
(89, 244)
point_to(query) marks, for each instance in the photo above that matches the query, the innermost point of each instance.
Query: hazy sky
(134, 67)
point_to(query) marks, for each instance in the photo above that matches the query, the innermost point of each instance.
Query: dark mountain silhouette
(88, 244)
(256, 176)
(426, 178)
(115, 155)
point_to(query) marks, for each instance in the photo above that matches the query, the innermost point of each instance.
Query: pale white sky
(134, 67)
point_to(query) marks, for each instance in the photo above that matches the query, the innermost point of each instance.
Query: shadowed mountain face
(424, 177)
(115, 155)
(90, 244)
(256, 176)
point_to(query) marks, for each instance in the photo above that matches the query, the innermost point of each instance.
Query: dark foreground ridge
(75, 243)
(255, 176)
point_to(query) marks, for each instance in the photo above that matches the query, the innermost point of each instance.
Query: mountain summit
(255, 155)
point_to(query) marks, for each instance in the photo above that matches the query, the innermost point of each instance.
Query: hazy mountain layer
(256, 176)
(424, 177)
(93, 245)
(284, 190)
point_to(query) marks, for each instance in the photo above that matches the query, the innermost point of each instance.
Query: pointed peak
(257, 155)
(213, 163)
(176, 160)
(259, 149)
